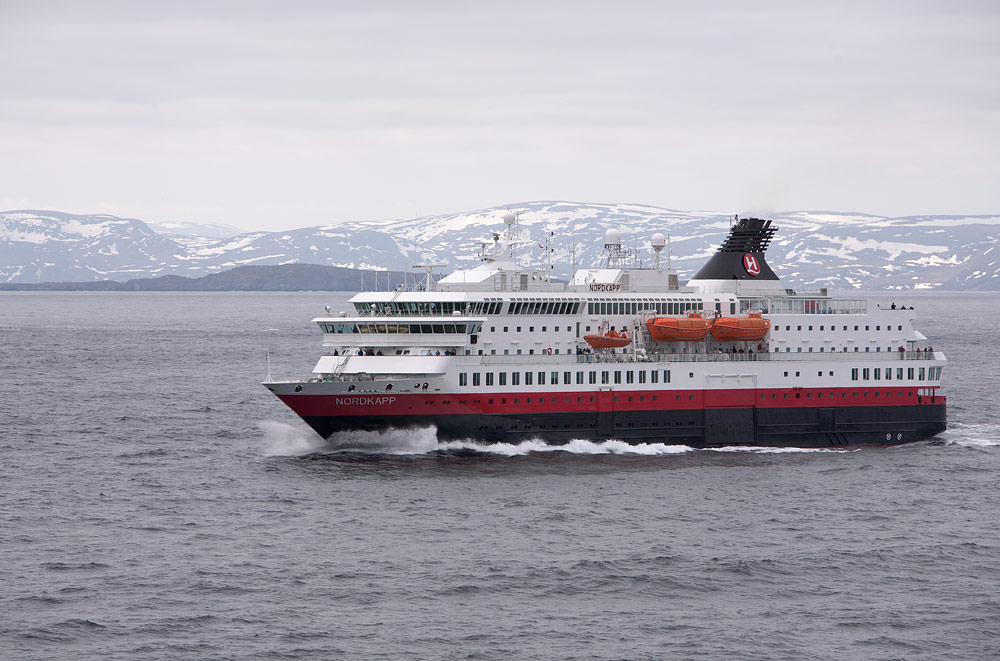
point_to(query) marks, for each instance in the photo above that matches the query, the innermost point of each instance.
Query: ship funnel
(741, 255)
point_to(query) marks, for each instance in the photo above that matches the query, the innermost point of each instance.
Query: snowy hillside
(811, 249)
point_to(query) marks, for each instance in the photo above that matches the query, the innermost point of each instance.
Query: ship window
(819, 373)
(568, 378)
(899, 373)
(545, 328)
(787, 328)
(821, 328)
(605, 377)
(920, 374)
(493, 329)
(855, 349)
(877, 373)
(527, 378)
(866, 374)
(855, 328)
(592, 378)
(786, 373)
(799, 328)
(475, 378)
(888, 374)
(531, 329)
(797, 374)
(515, 378)
(531, 352)
(690, 398)
(518, 329)
(554, 378)
(654, 376)
(630, 377)
(867, 349)
(438, 328)
(642, 376)
(579, 378)
(505, 329)
(618, 376)
(810, 328)
(900, 328)
(666, 376)
(503, 378)
(878, 328)
(867, 328)
(463, 379)
(909, 373)
(489, 378)
(541, 378)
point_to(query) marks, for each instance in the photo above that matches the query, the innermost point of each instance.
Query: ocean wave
(281, 439)
(972, 435)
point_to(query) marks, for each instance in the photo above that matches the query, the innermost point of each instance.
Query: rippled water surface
(158, 503)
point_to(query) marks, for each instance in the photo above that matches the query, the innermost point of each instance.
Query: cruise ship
(505, 353)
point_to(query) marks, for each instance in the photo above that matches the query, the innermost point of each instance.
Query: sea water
(158, 503)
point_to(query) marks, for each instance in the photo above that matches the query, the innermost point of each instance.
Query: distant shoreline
(283, 278)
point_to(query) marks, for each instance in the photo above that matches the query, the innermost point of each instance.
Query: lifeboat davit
(609, 340)
(750, 327)
(673, 329)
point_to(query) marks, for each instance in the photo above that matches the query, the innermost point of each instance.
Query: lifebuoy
(549, 351)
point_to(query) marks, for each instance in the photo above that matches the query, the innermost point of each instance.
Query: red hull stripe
(389, 403)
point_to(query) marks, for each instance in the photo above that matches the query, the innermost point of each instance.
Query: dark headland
(285, 277)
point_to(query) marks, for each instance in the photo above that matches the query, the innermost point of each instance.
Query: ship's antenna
(430, 269)
(668, 252)
(268, 357)
(572, 252)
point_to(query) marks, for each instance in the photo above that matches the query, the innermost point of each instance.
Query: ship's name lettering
(604, 287)
(363, 401)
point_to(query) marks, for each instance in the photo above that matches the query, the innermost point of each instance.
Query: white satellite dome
(509, 218)
(658, 242)
(612, 237)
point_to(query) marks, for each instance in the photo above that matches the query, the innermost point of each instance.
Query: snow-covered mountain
(811, 249)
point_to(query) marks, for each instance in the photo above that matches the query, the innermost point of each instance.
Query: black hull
(717, 427)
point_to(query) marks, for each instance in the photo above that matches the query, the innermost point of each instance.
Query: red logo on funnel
(751, 264)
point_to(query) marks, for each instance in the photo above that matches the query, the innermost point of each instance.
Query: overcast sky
(287, 114)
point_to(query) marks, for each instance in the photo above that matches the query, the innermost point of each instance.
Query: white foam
(397, 441)
(575, 446)
(284, 440)
(979, 435)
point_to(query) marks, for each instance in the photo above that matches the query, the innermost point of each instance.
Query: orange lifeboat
(750, 327)
(672, 329)
(609, 340)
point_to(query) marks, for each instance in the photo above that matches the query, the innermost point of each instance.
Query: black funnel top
(741, 256)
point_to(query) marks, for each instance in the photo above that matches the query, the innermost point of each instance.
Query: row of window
(658, 307)
(568, 378)
(878, 373)
(374, 328)
(832, 349)
(833, 328)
